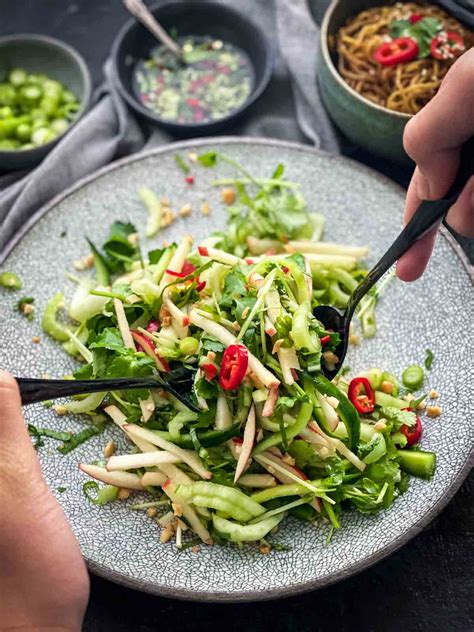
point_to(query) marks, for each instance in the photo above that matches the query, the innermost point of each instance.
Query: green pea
(59, 126)
(49, 104)
(39, 122)
(10, 280)
(42, 136)
(52, 88)
(17, 77)
(37, 114)
(30, 94)
(68, 110)
(188, 346)
(8, 144)
(6, 112)
(23, 131)
(413, 376)
(37, 79)
(9, 126)
(7, 94)
(68, 97)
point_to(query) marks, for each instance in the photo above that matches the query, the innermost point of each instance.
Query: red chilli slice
(234, 366)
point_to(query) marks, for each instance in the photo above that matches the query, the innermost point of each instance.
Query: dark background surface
(426, 586)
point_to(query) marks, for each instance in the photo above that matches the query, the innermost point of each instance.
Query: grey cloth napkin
(290, 109)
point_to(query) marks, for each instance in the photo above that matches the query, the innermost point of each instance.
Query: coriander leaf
(212, 345)
(155, 255)
(422, 32)
(120, 250)
(84, 372)
(304, 454)
(209, 159)
(131, 364)
(398, 27)
(335, 469)
(398, 417)
(365, 494)
(385, 469)
(109, 338)
(429, 359)
(235, 283)
(287, 215)
(205, 389)
(61, 489)
(241, 304)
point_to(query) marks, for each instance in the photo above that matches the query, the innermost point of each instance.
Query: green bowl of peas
(45, 88)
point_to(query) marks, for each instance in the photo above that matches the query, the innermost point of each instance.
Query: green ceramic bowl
(373, 127)
(41, 54)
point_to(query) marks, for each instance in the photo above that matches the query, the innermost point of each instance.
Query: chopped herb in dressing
(215, 80)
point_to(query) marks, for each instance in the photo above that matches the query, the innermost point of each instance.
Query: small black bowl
(199, 19)
(42, 54)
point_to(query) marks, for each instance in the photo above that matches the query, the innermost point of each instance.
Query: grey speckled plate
(360, 207)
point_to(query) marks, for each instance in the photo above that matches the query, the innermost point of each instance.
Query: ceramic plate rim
(306, 586)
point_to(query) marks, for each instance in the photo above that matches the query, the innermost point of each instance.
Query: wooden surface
(426, 586)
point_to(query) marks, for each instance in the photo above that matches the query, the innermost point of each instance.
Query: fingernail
(423, 187)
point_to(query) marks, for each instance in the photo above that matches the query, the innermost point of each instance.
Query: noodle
(405, 87)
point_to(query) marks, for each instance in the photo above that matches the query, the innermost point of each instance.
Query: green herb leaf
(131, 364)
(77, 439)
(422, 32)
(109, 338)
(155, 255)
(278, 173)
(209, 344)
(47, 432)
(429, 359)
(304, 454)
(209, 159)
(118, 246)
(182, 164)
(398, 417)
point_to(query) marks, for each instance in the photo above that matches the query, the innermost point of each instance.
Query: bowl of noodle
(381, 62)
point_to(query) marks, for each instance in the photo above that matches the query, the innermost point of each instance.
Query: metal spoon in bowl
(144, 15)
(428, 215)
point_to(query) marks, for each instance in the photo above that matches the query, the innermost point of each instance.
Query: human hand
(433, 139)
(43, 581)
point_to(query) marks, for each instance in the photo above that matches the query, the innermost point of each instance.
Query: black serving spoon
(428, 215)
(179, 384)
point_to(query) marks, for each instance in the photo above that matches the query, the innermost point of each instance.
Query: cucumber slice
(417, 462)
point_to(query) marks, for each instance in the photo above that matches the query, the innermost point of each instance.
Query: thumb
(16, 448)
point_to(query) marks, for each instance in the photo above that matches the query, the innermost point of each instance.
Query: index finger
(434, 136)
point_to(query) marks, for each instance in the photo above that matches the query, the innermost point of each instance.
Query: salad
(252, 431)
